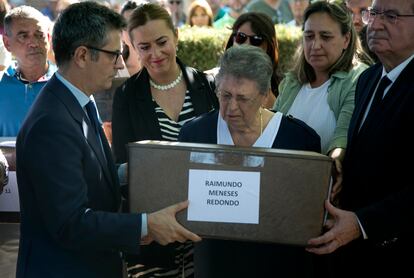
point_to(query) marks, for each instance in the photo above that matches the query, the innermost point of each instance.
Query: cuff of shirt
(364, 235)
(123, 174)
(144, 225)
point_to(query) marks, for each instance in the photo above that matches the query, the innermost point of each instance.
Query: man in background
(278, 10)
(26, 36)
(357, 7)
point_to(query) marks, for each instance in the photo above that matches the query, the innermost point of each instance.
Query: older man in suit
(68, 187)
(373, 230)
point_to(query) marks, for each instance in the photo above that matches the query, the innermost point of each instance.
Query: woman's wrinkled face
(323, 41)
(240, 101)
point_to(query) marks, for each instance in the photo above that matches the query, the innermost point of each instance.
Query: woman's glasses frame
(240, 38)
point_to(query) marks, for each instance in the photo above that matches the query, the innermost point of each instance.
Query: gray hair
(247, 62)
(24, 12)
(85, 23)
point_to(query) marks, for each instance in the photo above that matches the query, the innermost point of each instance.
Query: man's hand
(337, 155)
(164, 228)
(342, 229)
(337, 185)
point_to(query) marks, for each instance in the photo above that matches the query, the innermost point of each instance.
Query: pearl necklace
(168, 86)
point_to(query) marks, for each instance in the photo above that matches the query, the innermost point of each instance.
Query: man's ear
(6, 42)
(81, 56)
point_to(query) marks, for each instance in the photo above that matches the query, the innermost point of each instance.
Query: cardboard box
(9, 199)
(253, 194)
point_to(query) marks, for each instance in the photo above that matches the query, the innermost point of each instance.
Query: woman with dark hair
(320, 89)
(129, 54)
(257, 29)
(153, 105)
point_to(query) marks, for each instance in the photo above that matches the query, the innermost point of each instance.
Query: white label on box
(9, 199)
(224, 196)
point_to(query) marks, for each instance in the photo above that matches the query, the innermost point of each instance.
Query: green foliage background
(201, 48)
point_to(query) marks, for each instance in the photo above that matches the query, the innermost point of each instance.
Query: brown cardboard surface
(293, 187)
(7, 146)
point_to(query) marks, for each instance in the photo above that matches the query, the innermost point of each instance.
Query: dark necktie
(379, 94)
(93, 117)
(96, 125)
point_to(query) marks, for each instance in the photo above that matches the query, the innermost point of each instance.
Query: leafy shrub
(201, 48)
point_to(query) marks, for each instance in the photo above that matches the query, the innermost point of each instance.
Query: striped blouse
(171, 128)
(184, 265)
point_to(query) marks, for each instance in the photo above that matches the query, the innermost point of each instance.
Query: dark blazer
(378, 182)
(133, 112)
(69, 194)
(227, 258)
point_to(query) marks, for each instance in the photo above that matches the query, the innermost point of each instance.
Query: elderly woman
(153, 105)
(320, 89)
(243, 83)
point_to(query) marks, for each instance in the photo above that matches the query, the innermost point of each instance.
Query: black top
(133, 115)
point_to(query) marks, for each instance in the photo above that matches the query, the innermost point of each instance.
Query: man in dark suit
(372, 233)
(68, 186)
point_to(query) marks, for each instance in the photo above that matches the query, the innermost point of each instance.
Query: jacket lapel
(79, 115)
(366, 94)
(198, 97)
(400, 86)
(144, 108)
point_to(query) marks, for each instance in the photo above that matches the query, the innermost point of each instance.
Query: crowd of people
(348, 96)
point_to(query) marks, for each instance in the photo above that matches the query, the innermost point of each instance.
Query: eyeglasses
(241, 38)
(360, 13)
(174, 2)
(116, 53)
(240, 100)
(389, 16)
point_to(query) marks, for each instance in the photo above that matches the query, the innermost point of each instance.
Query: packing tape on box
(232, 159)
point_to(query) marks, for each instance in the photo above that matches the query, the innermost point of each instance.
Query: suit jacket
(133, 113)
(69, 194)
(377, 183)
(227, 258)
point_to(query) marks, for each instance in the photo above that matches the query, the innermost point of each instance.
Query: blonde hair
(200, 4)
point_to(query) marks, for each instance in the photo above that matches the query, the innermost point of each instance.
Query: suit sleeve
(56, 168)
